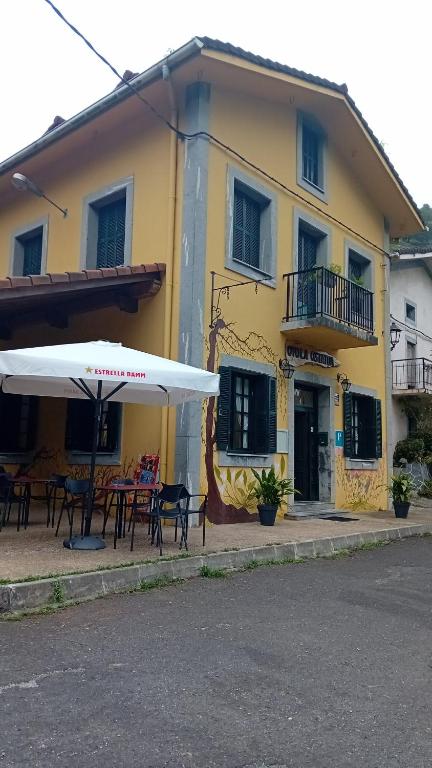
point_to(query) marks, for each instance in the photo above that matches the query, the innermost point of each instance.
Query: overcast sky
(380, 48)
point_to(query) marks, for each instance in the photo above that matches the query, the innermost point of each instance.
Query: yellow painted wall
(266, 134)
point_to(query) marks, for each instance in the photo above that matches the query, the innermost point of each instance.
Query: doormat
(338, 518)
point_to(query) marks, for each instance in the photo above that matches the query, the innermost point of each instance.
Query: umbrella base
(84, 542)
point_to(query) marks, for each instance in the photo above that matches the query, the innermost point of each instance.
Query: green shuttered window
(18, 419)
(362, 426)
(79, 426)
(32, 254)
(246, 234)
(111, 234)
(246, 412)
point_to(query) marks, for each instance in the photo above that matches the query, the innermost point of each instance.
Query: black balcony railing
(413, 374)
(319, 292)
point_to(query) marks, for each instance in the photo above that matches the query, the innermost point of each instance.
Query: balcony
(325, 310)
(412, 377)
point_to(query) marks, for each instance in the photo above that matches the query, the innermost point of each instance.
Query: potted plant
(401, 488)
(270, 491)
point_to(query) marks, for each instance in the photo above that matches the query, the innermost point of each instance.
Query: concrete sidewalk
(104, 574)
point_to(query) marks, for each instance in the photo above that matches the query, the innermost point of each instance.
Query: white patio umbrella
(100, 371)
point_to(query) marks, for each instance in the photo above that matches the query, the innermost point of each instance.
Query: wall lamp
(395, 333)
(23, 184)
(344, 381)
(286, 368)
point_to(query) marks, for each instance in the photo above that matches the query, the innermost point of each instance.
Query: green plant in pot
(402, 488)
(271, 491)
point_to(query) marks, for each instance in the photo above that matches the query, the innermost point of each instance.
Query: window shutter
(272, 416)
(265, 415)
(223, 420)
(378, 429)
(32, 424)
(111, 234)
(347, 423)
(79, 425)
(32, 255)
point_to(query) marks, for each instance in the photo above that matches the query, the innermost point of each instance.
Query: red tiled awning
(54, 297)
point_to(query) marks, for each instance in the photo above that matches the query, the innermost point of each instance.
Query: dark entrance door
(305, 444)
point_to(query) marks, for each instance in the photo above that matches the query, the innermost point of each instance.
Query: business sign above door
(303, 356)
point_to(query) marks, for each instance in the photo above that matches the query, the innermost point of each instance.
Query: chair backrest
(77, 487)
(58, 480)
(5, 485)
(172, 494)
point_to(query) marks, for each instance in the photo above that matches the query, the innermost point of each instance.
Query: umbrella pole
(88, 541)
(96, 428)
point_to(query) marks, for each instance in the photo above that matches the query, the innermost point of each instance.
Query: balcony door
(412, 372)
(307, 282)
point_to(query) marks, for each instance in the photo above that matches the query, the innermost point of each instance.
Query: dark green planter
(401, 508)
(267, 514)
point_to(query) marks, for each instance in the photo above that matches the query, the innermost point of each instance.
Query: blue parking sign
(339, 438)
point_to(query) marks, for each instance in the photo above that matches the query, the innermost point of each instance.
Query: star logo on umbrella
(89, 370)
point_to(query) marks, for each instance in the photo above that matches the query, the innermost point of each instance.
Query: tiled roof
(233, 50)
(88, 275)
(53, 298)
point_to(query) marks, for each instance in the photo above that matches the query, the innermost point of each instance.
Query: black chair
(6, 489)
(201, 511)
(55, 484)
(166, 505)
(75, 496)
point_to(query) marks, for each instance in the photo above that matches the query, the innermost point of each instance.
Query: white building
(411, 310)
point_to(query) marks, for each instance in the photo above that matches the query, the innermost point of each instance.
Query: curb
(31, 595)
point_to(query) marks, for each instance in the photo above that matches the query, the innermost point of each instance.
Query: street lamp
(395, 333)
(23, 184)
(344, 381)
(286, 368)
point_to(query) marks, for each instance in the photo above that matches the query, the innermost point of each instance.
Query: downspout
(387, 359)
(170, 255)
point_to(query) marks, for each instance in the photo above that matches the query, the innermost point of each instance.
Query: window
(111, 234)
(311, 142)
(18, 419)
(250, 247)
(246, 421)
(107, 227)
(246, 236)
(310, 156)
(29, 251)
(410, 312)
(79, 427)
(363, 427)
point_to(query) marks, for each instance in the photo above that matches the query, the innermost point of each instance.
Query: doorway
(306, 443)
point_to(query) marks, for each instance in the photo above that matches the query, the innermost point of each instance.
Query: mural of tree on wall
(224, 339)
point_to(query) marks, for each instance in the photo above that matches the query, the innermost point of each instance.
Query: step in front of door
(308, 509)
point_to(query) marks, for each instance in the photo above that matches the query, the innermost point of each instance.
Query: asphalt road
(325, 664)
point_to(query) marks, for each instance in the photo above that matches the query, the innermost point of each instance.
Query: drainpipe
(170, 255)
(387, 357)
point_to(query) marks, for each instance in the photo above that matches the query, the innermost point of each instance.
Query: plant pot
(401, 508)
(267, 513)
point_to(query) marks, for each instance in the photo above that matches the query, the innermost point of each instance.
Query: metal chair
(5, 493)
(201, 511)
(166, 505)
(55, 483)
(76, 495)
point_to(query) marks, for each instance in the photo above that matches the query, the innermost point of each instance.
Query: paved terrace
(37, 552)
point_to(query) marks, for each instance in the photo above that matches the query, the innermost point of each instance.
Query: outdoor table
(26, 483)
(122, 490)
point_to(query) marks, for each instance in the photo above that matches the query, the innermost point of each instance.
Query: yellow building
(261, 205)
